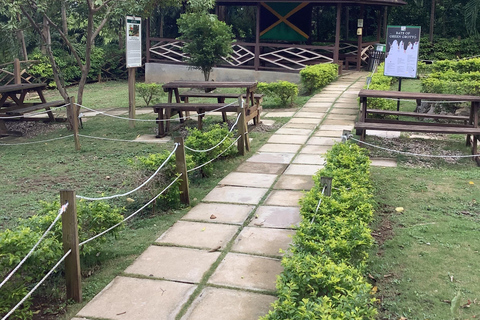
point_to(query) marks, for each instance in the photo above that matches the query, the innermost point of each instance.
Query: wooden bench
(467, 125)
(16, 111)
(201, 108)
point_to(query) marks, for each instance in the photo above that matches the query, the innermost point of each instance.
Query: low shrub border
(381, 82)
(318, 76)
(323, 271)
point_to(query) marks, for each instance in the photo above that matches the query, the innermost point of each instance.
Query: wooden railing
(16, 72)
(262, 56)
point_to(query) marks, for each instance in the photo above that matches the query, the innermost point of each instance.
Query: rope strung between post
(408, 153)
(34, 142)
(318, 205)
(112, 139)
(34, 113)
(215, 146)
(37, 285)
(130, 216)
(158, 120)
(137, 188)
(202, 165)
(60, 212)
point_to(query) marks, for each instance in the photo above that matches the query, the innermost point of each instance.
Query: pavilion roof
(321, 2)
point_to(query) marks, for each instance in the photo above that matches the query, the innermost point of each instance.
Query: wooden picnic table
(166, 110)
(453, 124)
(17, 93)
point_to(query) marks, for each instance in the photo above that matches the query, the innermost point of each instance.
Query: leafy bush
(171, 197)
(318, 76)
(93, 218)
(381, 82)
(149, 91)
(203, 140)
(449, 48)
(282, 90)
(322, 277)
(453, 77)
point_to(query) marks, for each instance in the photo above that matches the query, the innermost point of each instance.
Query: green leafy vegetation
(379, 81)
(93, 218)
(317, 76)
(150, 92)
(281, 90)
(323, 273)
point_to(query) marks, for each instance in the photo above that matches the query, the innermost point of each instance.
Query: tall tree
(472, 10)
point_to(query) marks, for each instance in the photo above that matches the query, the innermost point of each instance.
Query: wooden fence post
(70, 242)
(72, 116)
(181, 165)
(131, 96)
(17, 76)
(243, 142)
(327, 182)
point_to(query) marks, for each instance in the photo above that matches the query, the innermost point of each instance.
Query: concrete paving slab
(384, 134)
(240, 195)
(152, 139)
(304, 132)
(291, 182)
(345, 107)
(314, 110)
(198, 235)
(303, 120)
(248, 272)
(336, 127)
(347, 117)
(138, 299)
(219, 213)
(284, 198)
(276, 217)
(139, 111)
(280, 147)
(219, 303)
(260, 167)
(288, 138)
(279, 114)
(269, 157)
(315, 104)
(263, 241)
(323, 141)
(337, 122)
(314, 115)
(382, 162)
(309, 126)
(246, 179)
(173, 263)
(303, 169)
(309, 159)
(328, 133)
(313, 149)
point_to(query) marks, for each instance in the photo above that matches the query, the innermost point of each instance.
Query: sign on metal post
(402, 51)
(134, 42)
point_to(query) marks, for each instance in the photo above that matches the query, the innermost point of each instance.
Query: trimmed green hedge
(383, 83)
(318, 76)
(453, 77)
(323, 272)
(283, 90)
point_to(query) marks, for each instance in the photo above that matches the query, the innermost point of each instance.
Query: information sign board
(402, 51)
(134, 42)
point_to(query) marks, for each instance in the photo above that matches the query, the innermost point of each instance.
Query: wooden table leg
(201, 113)
(42, 98)
(161, 130)
(224, 113)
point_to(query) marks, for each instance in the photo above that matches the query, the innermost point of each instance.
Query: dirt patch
(30, 129)
(383, 229)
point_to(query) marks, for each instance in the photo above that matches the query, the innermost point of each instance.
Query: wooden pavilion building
(283, 33)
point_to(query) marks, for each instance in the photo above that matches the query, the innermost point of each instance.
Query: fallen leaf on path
(471, 182)
(213, 216)
(399, 209)
(388, 275)
(214, 249)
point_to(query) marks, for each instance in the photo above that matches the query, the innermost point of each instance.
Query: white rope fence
(319, 203)
(60, 212)
(35, 142)
(137, 188)
(37, 285)
(157, 120)
(130, 216)
(202, 165)
(408, 153)
(215, 146)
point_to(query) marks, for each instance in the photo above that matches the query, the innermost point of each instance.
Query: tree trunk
(64, 18)
(121, 36)
(88, 51)
(432, 20)
(21, 38)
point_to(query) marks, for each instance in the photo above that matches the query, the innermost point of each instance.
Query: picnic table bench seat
(219, 95)
(34, 107)
(418, 115)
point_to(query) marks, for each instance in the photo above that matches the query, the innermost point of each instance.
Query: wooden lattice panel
(240, 55)
(170, 50)
(294, 58)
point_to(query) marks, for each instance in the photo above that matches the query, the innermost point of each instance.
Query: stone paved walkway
(222, 258)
